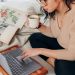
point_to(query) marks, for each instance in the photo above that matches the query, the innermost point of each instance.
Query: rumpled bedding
(20, 38)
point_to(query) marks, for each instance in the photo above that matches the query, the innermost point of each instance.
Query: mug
(34, 21)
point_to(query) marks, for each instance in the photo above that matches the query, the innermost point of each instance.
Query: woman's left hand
(31, 52)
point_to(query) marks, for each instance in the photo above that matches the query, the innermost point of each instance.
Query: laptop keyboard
(17, 67)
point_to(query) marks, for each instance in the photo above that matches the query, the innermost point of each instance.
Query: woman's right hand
(31, 52)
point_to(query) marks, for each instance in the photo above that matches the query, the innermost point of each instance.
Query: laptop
(25, 67)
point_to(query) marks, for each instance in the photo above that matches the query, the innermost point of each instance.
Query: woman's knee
(36, 40)
(51, 61)
(34, 37)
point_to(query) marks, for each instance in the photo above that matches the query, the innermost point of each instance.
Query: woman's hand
(31, 52)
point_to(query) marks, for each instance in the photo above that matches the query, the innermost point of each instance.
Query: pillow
(11, 16)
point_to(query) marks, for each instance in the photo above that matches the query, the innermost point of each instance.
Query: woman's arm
(59, 54)
(56, 54)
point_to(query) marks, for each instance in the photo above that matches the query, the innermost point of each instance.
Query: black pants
(62, 67)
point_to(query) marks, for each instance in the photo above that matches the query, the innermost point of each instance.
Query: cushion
(11, 16)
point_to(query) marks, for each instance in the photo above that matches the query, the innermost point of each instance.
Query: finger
(23, 52)
(24, 56)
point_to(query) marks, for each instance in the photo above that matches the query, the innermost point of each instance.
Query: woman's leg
(62, 67)
(38, 40)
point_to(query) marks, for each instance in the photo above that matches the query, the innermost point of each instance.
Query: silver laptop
(17, 67)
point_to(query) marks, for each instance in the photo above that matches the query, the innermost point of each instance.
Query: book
(8, 34)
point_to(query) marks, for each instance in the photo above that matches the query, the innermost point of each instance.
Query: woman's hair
(52, 14)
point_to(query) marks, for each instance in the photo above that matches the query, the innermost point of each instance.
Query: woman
(58, 40)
